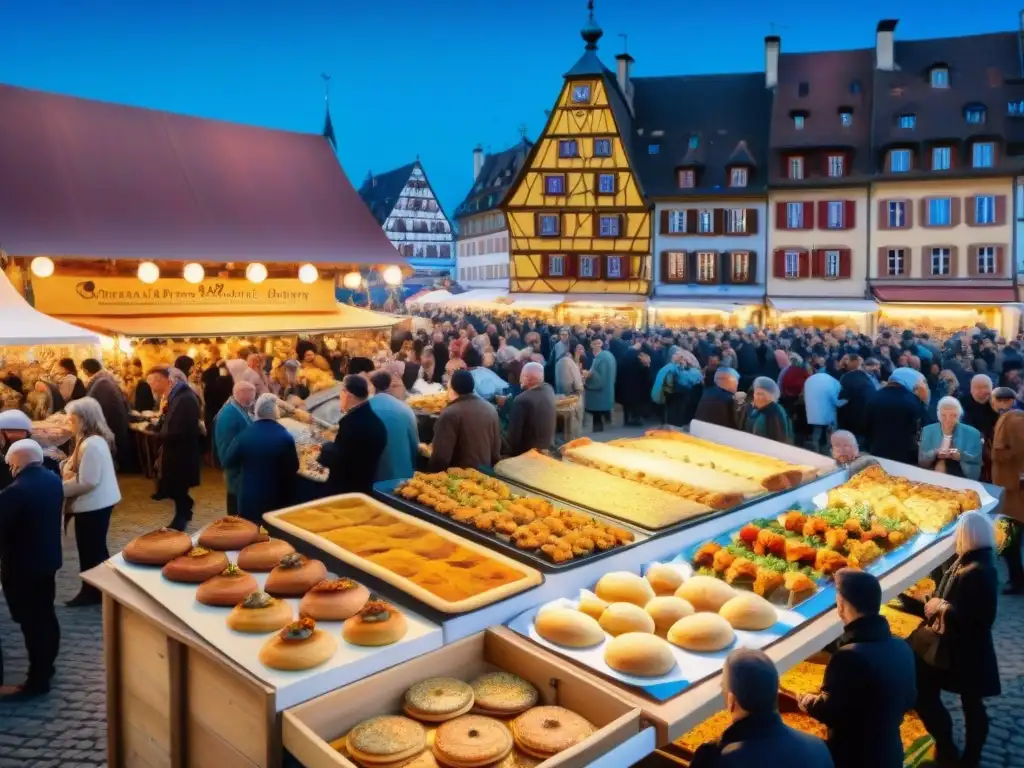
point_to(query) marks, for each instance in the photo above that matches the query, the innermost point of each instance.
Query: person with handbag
(954, 648)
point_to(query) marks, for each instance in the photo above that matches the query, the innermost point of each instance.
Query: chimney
(478, 161)
(624, 66)
(885, 55)
(772, 43)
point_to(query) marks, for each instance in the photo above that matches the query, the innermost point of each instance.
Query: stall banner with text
(70, 295)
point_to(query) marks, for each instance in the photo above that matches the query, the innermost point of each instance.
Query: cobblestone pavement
(67, 728)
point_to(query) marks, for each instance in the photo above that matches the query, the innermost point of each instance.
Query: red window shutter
(664, 222)
(817, 263)
(954, 261)
(691, 221)
(663, 267)
(883, 261)
(751, 221)
(883, 214)
(598, 263)
(822, 213)
(845, 263)
(779, 263)
(1000, 209)
(718, 220)
(805, 264)
(824, 164)
(545, 265)
(849, 214)
(572, 263)
(999, 261)
(955, 216)
(751, 266)
(972, 260)
(780, 216)
(808, 215)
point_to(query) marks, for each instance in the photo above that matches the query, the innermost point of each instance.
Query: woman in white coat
(90, 489)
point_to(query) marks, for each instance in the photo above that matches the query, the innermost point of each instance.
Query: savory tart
(229, 533)
(569, 628)
(198, 565)
(263, 556)
(157, 547)
(334, 600)
(259, 613)
(502, 694)
(545, 731)
(378, 623)
(299, 645)
(387, 740)
(438, 699)
(295, 575)
(639, 654)
(228, 588)
(472, 741)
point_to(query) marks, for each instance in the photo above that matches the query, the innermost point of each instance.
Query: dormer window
(798, 122)
(653, 148)
(939, 76)
(738, 177)
(845, 117)
(908, 121)
(856, 87)
(687, 178)
(795, 167)
(983, 154)
(836, 166)
(694, 142)
(974, 114)
(581, 94)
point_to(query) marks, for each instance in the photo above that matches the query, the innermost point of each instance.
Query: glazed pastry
(229, 533)
(666, 611)
(334, 600)
(259, 613)
(227, 588)
(157, 547)
(569, 628)
(471, 741)
(262, 535)
(386, 740)
(591, 604)
(545, 731)
(438, 699)
(502, 694)
(624, 587)
(300, 645)
(264, 555)
(378, 623)
(639, 654)
(621, 618)
(197, 566)
(295, 575)
(706, 593)
(664, 579)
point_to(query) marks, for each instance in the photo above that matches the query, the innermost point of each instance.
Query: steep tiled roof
(381, 191)
(496, 176)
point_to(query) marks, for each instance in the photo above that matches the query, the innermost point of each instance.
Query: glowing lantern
(42, 266)
(352, 281)
(392, 275)
(149, 272)
(256, 273)
(308, 274)
(193, 273)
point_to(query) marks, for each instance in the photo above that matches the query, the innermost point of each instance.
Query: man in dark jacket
(757, 736)
(869, 682)
(718, 404)
(533, 417)
(634, 384)
(104, 389)
(856, 387)
(179, 443)
(353, 456)
(468, 431)
(894, 416)
(30, 556)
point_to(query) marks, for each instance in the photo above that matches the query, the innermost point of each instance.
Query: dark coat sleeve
(971, 604)
(840, 688)
(443, 445)
(706, 756)
(495, 440)
(517, 419)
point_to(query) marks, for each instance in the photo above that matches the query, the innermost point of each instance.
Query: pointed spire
(328, 123)
(592, 32)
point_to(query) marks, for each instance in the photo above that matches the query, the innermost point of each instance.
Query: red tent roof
(947, 294)
(89, 179)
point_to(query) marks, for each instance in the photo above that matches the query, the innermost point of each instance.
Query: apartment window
(983, 154)
(845, 118)
(606, 183)
(706, 263)
(940, 158)
(676, 266)
(975, 115)
(897, 262)
(581, 94)
(653, 148)
(740, 266)
(738, 177)
(568, 148)
(798, 122)
(676, 222)
(554, 185)
(940, 261)
(706, 221)
(908, 121)
(687, 178)
(796, 167)
(897, 210)
(836, 165)
(549, 224)
(985, 209)
(602, 147)
(736, 221)
(831, 263)
(835, 214)
(614, 266)
(939, 212)
(987, 260)
(899, 160)
(588, 266)
(794, 215)
(940, 77)
(556, 265)
(609, 226)
(792, 264)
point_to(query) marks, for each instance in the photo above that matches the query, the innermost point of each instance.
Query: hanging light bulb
(353, 280)
(193, 273)
(308, 274)
(42, 266)
(124, 344)
(149, 272)
(392, 275)
(256, 273)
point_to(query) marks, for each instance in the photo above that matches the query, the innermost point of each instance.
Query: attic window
(799, 118)
(939, 76)
(845, 116)
(653, 148)
(694, 141)
(908, 121)
(974, 114)
(856, 87)
(687, 178)
(803, 88)
(738, 177)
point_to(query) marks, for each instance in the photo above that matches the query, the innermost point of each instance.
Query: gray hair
(844, 435)
(950, 404)
(242, 386)
(266, 407)
(90, 416)
(176, 375)
(532, 372)
(982, 377)
(725, 373)
(974, 531)
(767, 386)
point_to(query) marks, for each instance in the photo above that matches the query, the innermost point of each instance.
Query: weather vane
(590, 8)
(327, 84)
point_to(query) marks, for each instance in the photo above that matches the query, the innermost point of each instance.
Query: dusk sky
(427, 77)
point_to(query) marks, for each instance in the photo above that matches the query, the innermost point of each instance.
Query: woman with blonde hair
(954, 647)
(90, 489)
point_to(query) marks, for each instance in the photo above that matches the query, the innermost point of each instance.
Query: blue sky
(427, 77)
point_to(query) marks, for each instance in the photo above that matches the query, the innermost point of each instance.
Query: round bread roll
(300, 645)
(334, 600)
(386, 740)
(749, 611)
(664, 579)
(624, 587)
(543, 732)
(229, 533)
(378, 623)
(502, 694)
(295, 575)
(705, 593)
(621, 618)
(259, 613)
(196, 567)
(438, 699)
(568, 628)
(591, 604)
(228, 588)
(702, 632)
(263, 556)
(666, 610)
(157, 547)
(639, 654)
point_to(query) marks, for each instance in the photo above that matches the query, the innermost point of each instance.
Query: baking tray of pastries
(530, 527)
(445, 572)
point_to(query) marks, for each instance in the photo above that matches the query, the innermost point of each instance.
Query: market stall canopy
(89, 179)
(343, 318)
(630, 300)
(478, 297)
(824, 306)
(945, 295)
(697, 306)
(430, 297)
(23, 326)
(536, 300)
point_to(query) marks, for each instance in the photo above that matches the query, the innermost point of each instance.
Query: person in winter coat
(894, 415)
(821, 402)
(757, 736)
(856, 387)
(217, 390)
(569, 383)
(70, 386)
(468, 431)
(674, 388)
(979, 413)
(180, 443)
(765, 417)
(266, 457)
(634, 385)
(533, 417)
(949, 446)
(355, 454)
(869, 681)
(1007, 471)
(103, 388)
(599, 383)
(719, 403)
(403, 443)
(963, 609)
(90, 490)
(230, 422)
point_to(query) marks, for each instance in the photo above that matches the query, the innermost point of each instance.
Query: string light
(149, 272)
(308, 274)
(193, 273)
(256, 273)
(42, 266)
(352, 281)
(392, 275)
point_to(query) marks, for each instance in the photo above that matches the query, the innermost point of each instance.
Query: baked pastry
(624, 587)
(664, 579)
(295, 575)
(262, 535)
(591, 604)
(157, 547)
(334, 600)
(545, 731)
(378, 623)
(265, 555)
(502, 694)
(386, 740)
(196, 566)
(299, 645)
(259, 613)
(438, 699)
(229, 533)
(706, 593)
(749, 611)
(621, 618)
(228, 588)
(568, 628)
(702, 632)
(471, 741)
(639, 654)
(666, 611)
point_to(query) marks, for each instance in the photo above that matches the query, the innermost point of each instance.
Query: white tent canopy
(23, 326)
(431, 297)
(478, 297)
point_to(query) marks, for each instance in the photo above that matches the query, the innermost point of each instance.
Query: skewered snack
(229, 533)
(259, 613)
(263, 556)
(228, 588)
(157, 547)
(568, 628)
(378, 623)
(334, 600)
(196, 566)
